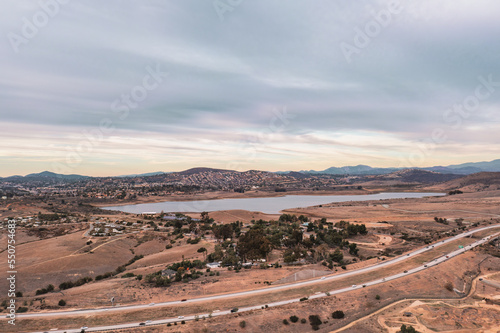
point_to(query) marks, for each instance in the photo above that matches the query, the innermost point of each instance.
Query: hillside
(408, 176)
(482, 181)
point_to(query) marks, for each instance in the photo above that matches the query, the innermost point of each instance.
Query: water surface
(266, 205)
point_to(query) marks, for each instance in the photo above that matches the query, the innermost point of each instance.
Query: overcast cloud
(269, 86)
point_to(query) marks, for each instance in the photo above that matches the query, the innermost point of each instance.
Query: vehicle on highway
(149, 321)
(322, 278)
(354, 286)
(364, 285)
(180, 317)
(425, 265)
(84, 328)
(447, 256)
(480, 279)
(216, 311)
(234, 310)
(142, 324)
(151, 304)
(183, 300)
(408, 255)
(405, 271)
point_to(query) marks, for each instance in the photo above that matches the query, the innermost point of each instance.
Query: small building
(169, 273)
(213, 265)
(407, 314)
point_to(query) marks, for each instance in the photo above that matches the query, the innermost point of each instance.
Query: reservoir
(272, 205)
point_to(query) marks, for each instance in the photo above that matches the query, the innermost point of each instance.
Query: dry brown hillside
(482, 181)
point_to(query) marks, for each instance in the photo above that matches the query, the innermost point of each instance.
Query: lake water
(265, 205)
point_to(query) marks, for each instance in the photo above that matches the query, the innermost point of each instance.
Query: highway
(380, 265)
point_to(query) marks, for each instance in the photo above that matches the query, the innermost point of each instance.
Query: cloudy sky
(118, 87)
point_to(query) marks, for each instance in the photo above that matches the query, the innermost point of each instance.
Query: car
(353, 286)
(405, 271)
(183, 300)
(408, 255)
(425, 265)
(364, 285)
(383, 279)
(216, 310)
(149, 321)
(447, 256)
(151, 304)
(427, 247)
(180, 317)
(84, 328)
(234, 310)
(480, 279)
(322, 278)
(142, 324)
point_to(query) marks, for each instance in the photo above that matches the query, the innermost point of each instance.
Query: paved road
(281, 287)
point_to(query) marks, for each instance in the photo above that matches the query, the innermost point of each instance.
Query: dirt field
(355, 304)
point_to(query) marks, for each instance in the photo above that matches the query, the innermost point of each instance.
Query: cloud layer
(260, 84)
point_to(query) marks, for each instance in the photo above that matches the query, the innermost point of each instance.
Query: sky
(106, 88)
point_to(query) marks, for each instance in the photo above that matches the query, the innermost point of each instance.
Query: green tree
(254, 245)
(407, 329)
(337, 256)
(353, 249)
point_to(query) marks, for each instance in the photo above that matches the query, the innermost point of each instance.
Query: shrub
(285, 322)
(314, 320)
(22, 309)
(294, 319)
(407, 329)
(338, 314)
(303, 321)
(377, 297)
(19, 294)
(449, 286)
(243, 324)
(62, 303)
(183, 322)
(127, 275)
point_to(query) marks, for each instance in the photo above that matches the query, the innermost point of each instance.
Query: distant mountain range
(45, 175)
(143, 174)
(458, 169)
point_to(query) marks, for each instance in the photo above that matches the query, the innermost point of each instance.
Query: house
(407, 314)
(213, 265)
(169, 273)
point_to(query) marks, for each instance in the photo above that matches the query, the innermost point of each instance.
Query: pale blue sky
(270, 85)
